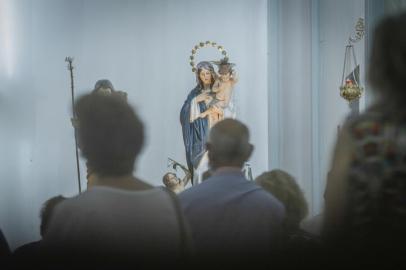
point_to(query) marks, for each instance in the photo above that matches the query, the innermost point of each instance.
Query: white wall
(143, 48)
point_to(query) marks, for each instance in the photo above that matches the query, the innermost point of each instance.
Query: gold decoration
(350, 91)
(202, 44)
(359, 31)
(350, 88)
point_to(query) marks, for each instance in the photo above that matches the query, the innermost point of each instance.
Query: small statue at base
(172, 182)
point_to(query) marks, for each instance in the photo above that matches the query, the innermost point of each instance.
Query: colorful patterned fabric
(376, 210)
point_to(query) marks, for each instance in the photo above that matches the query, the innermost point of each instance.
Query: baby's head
(225, 69)
(170, 180)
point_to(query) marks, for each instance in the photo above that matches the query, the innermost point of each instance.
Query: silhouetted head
(110, 134)
(284, 187)
(228, 144)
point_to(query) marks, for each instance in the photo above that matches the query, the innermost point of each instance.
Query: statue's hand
(208, 99)
(203, 97)
(200, 97)
(203, 114)
(217, 110)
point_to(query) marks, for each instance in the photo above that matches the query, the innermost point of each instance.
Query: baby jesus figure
(221, 91)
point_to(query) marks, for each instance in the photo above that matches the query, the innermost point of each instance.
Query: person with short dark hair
(231, 218)
(365, 209)
(119, 217)
(110, 135)
(106, 88)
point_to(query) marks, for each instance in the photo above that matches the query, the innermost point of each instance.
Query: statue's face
(104, 91)
(171, 180)
(225, 77)
(205, 76)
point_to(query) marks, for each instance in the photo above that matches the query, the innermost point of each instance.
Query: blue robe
(195, 133)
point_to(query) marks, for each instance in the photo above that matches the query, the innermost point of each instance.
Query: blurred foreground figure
(300, 247)
(120, 218)
(365, 211)
(284, 187)
(28, 252)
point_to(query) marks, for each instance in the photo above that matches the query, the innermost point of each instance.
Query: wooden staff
(70, 68)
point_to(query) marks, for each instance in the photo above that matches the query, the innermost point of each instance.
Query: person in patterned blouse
(365, 199)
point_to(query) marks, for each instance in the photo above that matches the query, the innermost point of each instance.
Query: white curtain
(307, 41)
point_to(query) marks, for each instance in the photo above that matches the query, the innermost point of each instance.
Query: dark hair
(110, 134)
(228, 143)
(47, 211)
(387, 68)
(224, 67)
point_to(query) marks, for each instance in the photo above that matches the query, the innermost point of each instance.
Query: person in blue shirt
(230, 217)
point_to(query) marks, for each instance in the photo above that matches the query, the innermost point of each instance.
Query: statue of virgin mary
(195, 128)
